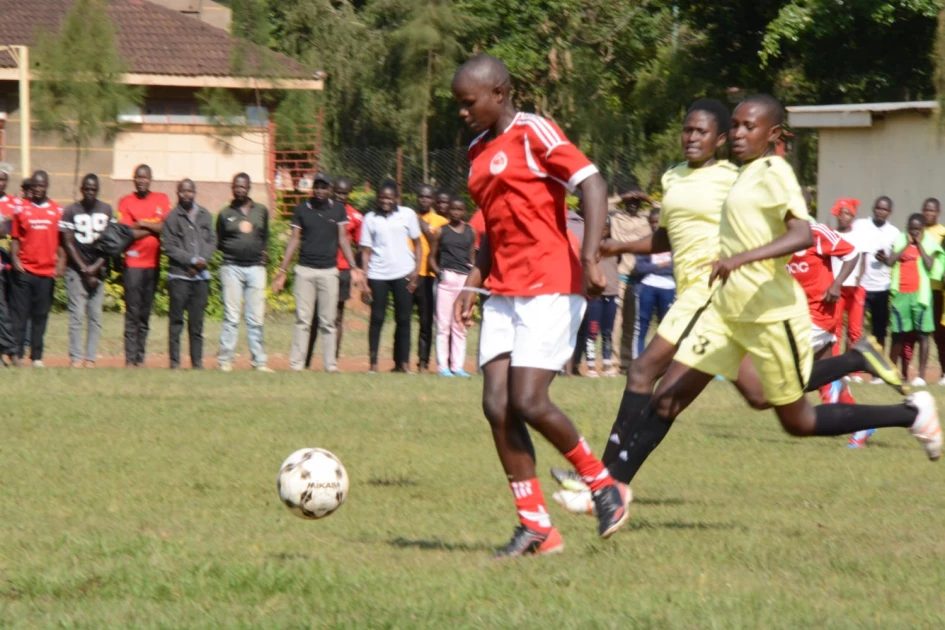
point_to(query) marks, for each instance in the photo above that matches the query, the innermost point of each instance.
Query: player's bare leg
(535, 535)
(528, 400)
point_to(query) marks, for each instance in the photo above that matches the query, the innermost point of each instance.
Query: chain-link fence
(369, 166)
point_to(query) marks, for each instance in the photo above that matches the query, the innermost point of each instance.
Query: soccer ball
(312, 483)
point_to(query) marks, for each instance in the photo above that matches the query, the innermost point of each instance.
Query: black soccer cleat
(612, 511)
(527, 541)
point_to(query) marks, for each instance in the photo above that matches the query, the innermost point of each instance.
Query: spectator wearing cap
(318, 232)
(852, 303)
(626, 224)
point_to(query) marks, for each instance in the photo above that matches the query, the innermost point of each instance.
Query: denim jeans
(241, 283)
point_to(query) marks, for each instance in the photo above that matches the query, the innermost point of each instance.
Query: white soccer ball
(312, 483)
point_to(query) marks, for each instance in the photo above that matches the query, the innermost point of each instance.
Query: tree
(427, 40)
(79, 92)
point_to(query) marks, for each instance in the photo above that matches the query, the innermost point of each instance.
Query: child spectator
(657, 290)
(452, 253)
(602, 312)
(916, 259)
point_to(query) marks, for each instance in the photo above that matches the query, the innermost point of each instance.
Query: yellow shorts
(685, 310)
(780, 351)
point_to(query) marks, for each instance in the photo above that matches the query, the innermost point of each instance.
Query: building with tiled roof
(173, 52)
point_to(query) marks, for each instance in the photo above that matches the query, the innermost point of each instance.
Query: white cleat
(877, 381)
(582, 501)
(942, 382)
(926, 428)
(918, 382)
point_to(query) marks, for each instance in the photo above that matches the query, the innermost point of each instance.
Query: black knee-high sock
(628, 417)
(841, 419)
(637, 445)
(829, 370)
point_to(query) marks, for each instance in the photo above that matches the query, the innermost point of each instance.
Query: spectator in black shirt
(318, 232)
(81, 225)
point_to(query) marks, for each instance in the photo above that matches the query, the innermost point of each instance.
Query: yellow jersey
(938, 231)
(692, 210)
(764, 195)
(435, 222)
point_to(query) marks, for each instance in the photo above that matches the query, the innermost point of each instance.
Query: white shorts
(820, 338)
(539, 332)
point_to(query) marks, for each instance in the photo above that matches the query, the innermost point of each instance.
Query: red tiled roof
(152, 39)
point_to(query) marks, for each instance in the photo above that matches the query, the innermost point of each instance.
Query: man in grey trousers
(318, 233)
(81, 225)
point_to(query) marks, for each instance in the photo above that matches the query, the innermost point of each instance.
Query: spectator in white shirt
(390, 257)
(877, 235)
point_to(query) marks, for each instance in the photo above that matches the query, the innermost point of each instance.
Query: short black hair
(343, 181)
(242, 176)
(714, 108)
(90, 176)
(26, 184)
(443, 191)
(932, 200)
(456, 199)
(886, 199)
(144, 166)
(915, 216)
(770, 103)
(37, 174)
(389, 184)
(424, 186)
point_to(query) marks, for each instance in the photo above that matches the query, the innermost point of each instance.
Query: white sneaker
(856, 378)
(264, 369)
(592, 373)
(226, 367)
(918, 382)
(582, 502)
(926, 427)
(877, 381)
(38, 364)
(942, 382)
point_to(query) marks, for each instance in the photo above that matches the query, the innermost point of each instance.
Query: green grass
(147, 499)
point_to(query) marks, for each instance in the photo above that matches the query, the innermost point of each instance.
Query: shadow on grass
(391, 482)
(641, 524)
(658, 502)
(438, 545)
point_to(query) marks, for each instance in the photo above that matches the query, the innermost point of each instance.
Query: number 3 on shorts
(700, 344)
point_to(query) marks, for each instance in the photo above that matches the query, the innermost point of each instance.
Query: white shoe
(582, 502)
(926, 427)
(918, 382)
(877, 381)
(264, 369)
(226, 367)
(942, 382)
(592, 373)
(856, 378)
(38, 364)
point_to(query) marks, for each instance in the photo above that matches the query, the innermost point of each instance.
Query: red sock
(530, 503)
(592, 471)
(846, 397)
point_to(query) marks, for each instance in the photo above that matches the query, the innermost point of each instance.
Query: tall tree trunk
(424, 130)
(75, 174)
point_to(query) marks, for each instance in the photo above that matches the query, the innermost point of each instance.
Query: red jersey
(8, 206)
(909, 269)
(353, 228)
(520, 179)
(144, 253)
(478, 224)
(36, 227)
(813, 271)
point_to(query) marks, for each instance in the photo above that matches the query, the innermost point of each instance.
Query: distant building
(173, 51)
(872, 149)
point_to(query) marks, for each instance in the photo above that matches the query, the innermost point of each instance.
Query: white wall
(901, 156)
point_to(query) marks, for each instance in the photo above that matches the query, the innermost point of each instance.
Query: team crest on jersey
(499, 161)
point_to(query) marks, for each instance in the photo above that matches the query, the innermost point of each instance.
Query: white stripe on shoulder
(547, 126)
(826, 232)
(478, 138)
(548, 136)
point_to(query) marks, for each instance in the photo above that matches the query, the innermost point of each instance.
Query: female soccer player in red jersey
(521, 166)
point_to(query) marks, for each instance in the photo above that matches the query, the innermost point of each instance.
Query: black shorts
(344, 285)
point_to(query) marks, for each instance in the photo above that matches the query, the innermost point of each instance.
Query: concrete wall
(901, 156)
(205, 10)
(173, 152)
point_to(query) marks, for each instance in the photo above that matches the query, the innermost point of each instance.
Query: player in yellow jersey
(759, 311)
(694, 193)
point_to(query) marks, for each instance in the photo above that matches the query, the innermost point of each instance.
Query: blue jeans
(652, 299)
(241, 283)
(601, 314)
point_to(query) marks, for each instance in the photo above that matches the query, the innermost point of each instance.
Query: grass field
(147, 499)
